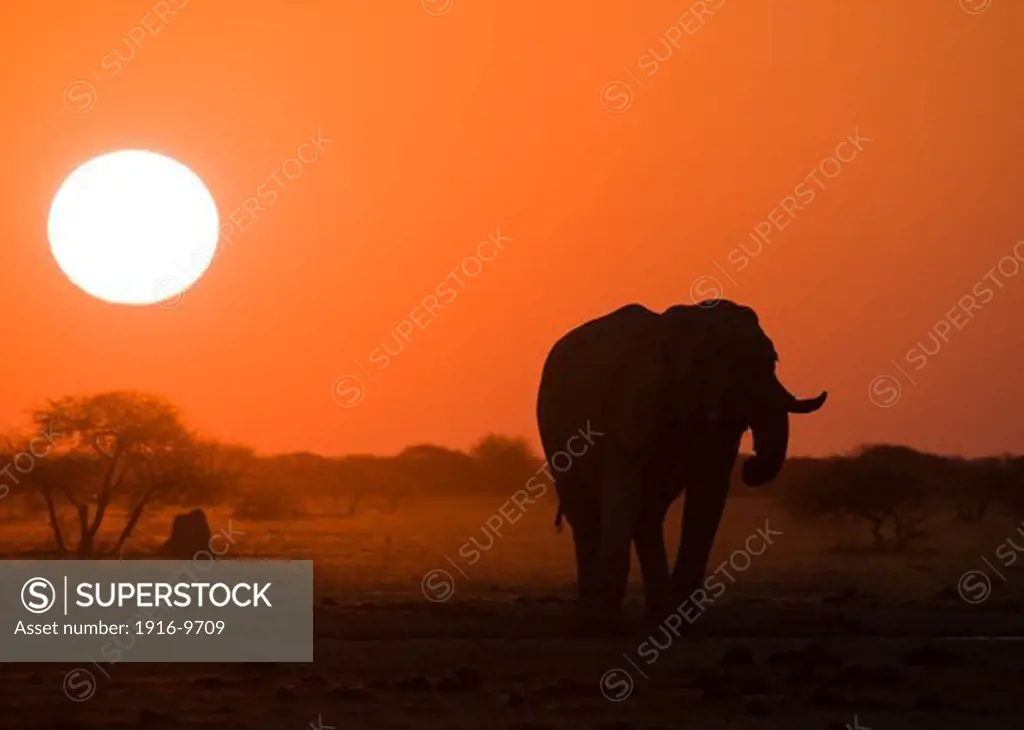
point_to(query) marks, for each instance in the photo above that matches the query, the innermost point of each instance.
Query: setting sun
(133, 227)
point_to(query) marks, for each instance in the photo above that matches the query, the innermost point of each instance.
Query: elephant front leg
(649, 540)
(702, 512)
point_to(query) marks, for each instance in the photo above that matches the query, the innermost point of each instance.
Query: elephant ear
(706, 346)
(736, 347)
(729, 332)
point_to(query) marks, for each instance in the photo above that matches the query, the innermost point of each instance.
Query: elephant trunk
(770, 426)
(771, 439)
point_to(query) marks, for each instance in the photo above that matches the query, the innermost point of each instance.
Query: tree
(215, 472)
(972, 485)
(505, 463)
(991, 480)
(350, 478)
(881, 484)
(1010, 486)
(16, 491)
(435, 470)
(116, 446)
(380, 481)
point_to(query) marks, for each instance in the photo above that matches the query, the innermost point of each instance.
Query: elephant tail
(558, 518)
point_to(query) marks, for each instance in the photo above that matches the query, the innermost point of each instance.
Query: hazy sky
(611, 177)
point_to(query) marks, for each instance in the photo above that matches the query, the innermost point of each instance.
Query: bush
(880, 484)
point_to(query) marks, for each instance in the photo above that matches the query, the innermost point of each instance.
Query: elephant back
(611, 373)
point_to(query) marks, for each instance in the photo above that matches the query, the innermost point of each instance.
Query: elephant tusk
(807, 405)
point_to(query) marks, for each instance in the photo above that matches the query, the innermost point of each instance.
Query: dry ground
(806, 637)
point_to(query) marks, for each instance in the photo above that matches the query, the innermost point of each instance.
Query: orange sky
(450, 125)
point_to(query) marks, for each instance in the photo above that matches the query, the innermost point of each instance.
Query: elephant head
(719, 351)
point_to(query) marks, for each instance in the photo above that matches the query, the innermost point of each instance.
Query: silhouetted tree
(881, 484)
(505, 463)
(435, 470)
(218, 472)
(382, 481)
(117, 446)
(972, 486)
(279, 486)
(1010, 488)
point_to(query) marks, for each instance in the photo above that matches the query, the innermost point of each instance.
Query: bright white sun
(133, 227)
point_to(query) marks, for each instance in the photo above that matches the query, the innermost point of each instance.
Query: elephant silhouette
(673, 394)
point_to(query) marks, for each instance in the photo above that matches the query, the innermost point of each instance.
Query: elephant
(672, 393)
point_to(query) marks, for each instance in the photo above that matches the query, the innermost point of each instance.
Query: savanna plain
(456, 611)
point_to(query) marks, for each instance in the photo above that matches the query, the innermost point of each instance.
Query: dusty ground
(808, 636)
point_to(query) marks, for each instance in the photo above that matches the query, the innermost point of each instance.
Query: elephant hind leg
(649, 540)
(584, 521)
(586, 539)
(618, 520)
